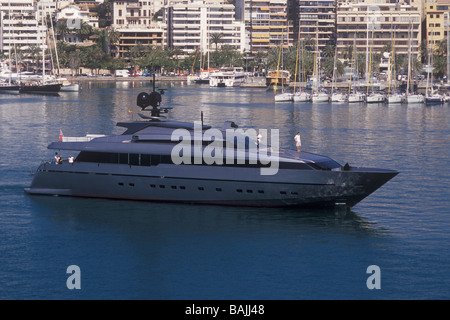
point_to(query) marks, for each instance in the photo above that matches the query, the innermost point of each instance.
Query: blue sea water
(141, 250)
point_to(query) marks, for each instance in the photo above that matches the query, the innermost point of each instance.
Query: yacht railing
(87, 138)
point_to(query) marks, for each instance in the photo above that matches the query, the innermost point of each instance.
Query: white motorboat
(227, 77)
(70, 87)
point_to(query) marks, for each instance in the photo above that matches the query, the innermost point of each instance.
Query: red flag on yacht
(60, 136)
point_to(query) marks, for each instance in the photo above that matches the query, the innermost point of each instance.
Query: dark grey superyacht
(221, 166)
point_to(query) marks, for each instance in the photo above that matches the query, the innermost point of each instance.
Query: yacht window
(219, 189)
(134, 159)
(123, 158)
(239, 190)
(260, 191)
(120, 183)
(152, 186)
(131, 184)
(162, 186)
(155, 159)
(173, 187)
(145, 160)
(201, 188)
(182, 187)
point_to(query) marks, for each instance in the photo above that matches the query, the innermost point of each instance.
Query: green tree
(61, 29)
(75, 61)
(93, 58)
(84, 31)
(216, 38)
(440, 66)
(112, 39)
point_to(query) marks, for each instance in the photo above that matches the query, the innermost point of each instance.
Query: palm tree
(84, 31)
(348, 53)
(112, 39)
(328, 52)
(62, 29)
(34, 54)
(216, 38)
(440, 66)
(75, 60)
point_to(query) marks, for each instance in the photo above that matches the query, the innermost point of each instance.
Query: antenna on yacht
(153, 99)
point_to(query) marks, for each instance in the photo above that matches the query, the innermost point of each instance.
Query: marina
(155, 250)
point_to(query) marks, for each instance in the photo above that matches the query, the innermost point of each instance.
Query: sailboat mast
(334, 70)
(391, 63)
(9, 46)
(409, 58)
(369, 71)
(447, 17)
(54, 39)
(351, 65)
(297, 67)
(316, 61)
(429, 65)
(43, 48)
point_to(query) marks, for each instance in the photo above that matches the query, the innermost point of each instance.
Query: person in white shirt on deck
(298, 141)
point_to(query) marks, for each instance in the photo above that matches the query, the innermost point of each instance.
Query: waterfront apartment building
(437, 20)
(267, 24)
(377, 22)
(316, 19)
(196, 25)
(20, 28)
(134, 21)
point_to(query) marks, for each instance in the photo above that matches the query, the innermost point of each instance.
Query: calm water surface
(139, 250)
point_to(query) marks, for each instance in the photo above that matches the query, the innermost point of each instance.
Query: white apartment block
(134, 13)
(134, 20)
(377, 22)
(20, 26)
(192, 23)
(267, 23)
(317, 19)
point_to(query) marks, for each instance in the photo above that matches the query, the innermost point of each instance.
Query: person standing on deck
(298, 141)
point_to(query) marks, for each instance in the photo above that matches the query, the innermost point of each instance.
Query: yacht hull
(209, 184)
(415, 99)
(338, 97)
(395, 98)
(284, 97)
(376, 98)
(302, 97)
(353, 98)
(321, 97)
(46, 88)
